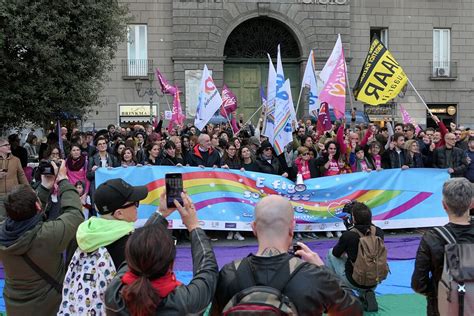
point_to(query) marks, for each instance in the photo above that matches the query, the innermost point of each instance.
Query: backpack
(85, 283)
(263, 299)
(370, 266)
(456, 286)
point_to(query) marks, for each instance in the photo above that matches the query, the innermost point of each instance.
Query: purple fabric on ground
(399, 248)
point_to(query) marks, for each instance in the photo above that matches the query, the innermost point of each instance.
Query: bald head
(273, 217)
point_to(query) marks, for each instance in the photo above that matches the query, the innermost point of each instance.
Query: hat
(113, 194)
(254, 141)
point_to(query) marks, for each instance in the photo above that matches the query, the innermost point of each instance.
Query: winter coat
(197, 159)
(458, 160)
(25, 291)
(185, 299)
(15, 174)
(429, 262)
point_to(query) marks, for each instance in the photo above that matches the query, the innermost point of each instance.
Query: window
(381, 33)
(441, 52)
(137, 62)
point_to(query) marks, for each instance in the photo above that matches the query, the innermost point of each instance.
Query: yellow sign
(381, 78)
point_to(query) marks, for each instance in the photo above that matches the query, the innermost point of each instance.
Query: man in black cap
(267, 161)
(116, 202)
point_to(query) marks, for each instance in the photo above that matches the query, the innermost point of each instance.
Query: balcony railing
(444, 70)
(136, 68)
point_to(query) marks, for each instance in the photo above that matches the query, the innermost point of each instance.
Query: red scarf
(163, 285)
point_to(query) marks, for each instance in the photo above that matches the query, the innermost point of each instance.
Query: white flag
(332, 60)
(209, 100)
(309, 81)
(270, 104)
(283, 129)
(280, 80)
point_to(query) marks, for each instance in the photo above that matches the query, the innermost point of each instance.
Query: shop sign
(136, 110)
(324, 2)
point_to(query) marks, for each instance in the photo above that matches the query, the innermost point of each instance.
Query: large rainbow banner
(225, 199)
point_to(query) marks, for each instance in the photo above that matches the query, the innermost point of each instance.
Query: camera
(45, 168)
(292, 251)
(347, 217)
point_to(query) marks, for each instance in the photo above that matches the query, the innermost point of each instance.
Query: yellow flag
(381, 78)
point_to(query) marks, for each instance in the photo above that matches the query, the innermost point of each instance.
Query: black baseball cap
(113, 194)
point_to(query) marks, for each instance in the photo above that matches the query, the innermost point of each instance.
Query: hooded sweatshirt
(99, 232)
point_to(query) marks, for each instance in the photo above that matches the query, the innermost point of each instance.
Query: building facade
(433, 40)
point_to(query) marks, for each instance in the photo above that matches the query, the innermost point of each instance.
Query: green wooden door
(245, 80)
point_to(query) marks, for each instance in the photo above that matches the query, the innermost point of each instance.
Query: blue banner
(225, 199)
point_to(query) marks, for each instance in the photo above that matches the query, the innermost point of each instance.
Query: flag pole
(249, 119)
(348, 85)
(418, 94)
(299, 99)
(227, 117)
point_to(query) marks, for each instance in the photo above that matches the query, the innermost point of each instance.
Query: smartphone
(294, 249)
(174, 187)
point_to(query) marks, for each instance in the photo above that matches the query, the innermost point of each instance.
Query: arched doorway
(246, 63)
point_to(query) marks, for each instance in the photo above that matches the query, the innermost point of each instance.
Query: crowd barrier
(225, 199)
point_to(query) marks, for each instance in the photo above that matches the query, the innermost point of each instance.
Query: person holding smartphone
(11, 173)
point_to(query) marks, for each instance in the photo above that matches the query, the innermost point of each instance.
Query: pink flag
(334, 91)
(177, 117)
(324, 122)
(229, 101)
(407, 119)
(164, 84)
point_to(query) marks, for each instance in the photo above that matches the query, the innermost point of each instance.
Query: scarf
(163, 285)
(75, 164)
(11, 230)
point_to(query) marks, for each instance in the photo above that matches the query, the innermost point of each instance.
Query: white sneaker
(329, 235)
(230, 235)
(238, 236)
(338, 234)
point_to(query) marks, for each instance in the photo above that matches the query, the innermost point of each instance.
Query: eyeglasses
(406, 130)
(305, 154)
(268, 148)
(137, 203)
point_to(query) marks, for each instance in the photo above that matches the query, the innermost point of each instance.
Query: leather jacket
(185, 299)
(314, 290)
(429, 261)
(458, 160)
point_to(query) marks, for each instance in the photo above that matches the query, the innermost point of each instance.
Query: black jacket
(197, 158)
(185, 299)
(458, 160)
(429, 261)
(414, 162)
(274, 167)
(349, 243)
(95, 161)
(314, 290)
(392, 160)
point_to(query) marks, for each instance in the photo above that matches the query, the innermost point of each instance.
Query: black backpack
(263, 299)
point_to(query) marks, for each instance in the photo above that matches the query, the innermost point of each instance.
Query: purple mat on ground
(399, 248)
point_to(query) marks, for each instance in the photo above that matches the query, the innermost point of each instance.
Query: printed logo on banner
(170, 223)
(230, 225)
(215, 224)
(202, 223)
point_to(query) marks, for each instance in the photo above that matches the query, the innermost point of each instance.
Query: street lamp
(150, 91)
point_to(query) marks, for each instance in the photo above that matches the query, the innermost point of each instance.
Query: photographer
(31, 249)
(358, 269)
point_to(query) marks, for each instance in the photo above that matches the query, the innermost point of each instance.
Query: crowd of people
(347, 147)
(49, 224)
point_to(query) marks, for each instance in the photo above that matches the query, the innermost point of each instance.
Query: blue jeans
(338, 266)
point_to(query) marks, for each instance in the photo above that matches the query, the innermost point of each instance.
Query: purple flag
(324, 123)
(164, 84)
(229, 102)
